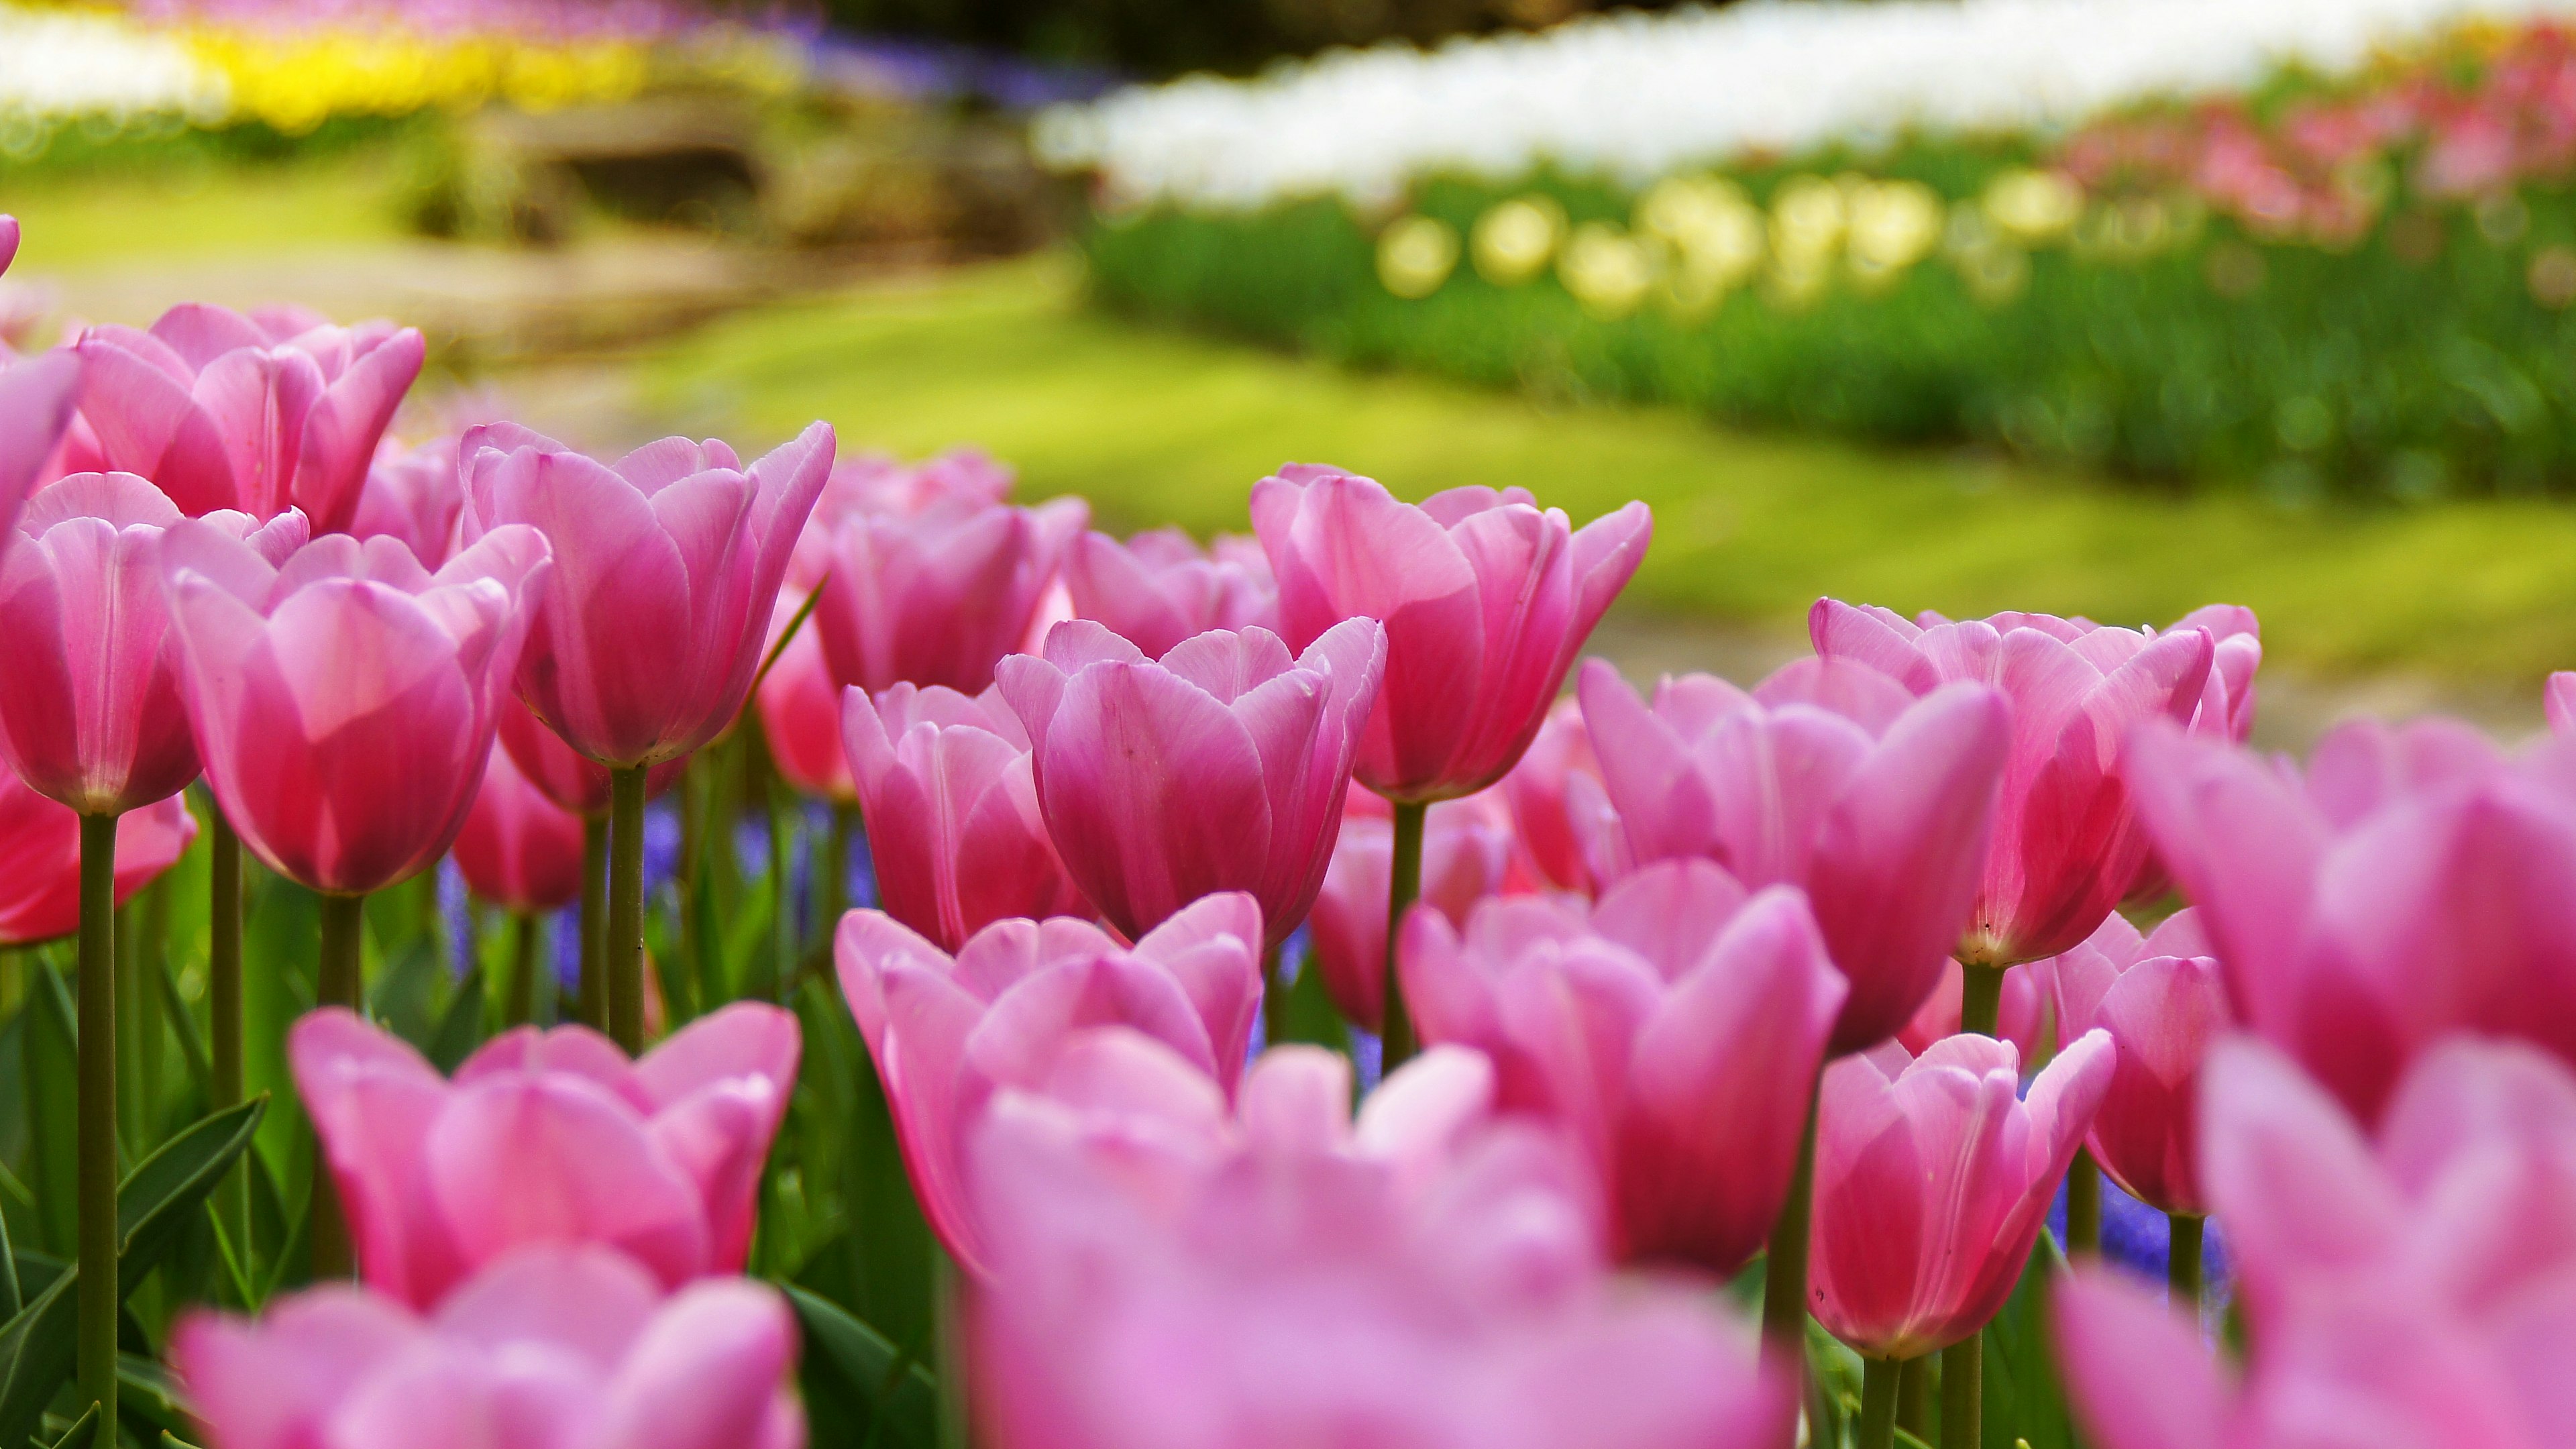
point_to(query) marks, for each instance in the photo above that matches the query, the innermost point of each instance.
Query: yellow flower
(1416, 255)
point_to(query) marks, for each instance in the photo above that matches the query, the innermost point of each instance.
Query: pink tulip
(9, 233)
(873, 483)
(92, 715)
(258, 414)
(1220, 768)
(2416, 883)
(952, 812)
(1486, 600)
(800, 710)
(552, 1348)
(1160, 587)
(560, 773)
(1675, 1032)
(2226, 709)
(1932, 1181)
(2019, 1013)
(1570, 837)
(2067, 846)
(547, 1137)
(344, 702)
(2161, 1000)
(937, 597)
(947, 1033)
(519, 849)
(666, 567)
(413, 494)
(37, 399)
(2560, 702)
(1827, 777)
(1286, 1298)
(40, 858)
(1466, 856)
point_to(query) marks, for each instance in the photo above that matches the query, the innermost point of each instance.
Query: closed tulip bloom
(666, 568)
(1466, 856)
(1675, 1032)
(562, 774)
(878, 484)
(2163, 1003)
(413, 494)
(37, 405)
(948, 1032)
(800, 710)
(259, 414)
(938, 597)
(9, 235)
(345, 701)
(552, 1348)
(40, 858)
(1160, 587)
(1571, 838)
(1220, 768)
(1828, 777)
(1933, 1177)
(519, 849)
(93, 715)
(2067, 846)
(2226, 709)
(952, 810)
(1486, 600)
(547, 1137)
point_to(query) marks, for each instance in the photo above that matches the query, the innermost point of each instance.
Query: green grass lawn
(1749, 528)
(76, 221)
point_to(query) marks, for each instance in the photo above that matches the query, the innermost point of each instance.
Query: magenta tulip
(1486, 600)
(666, 567)
(800, 710)
(40, 858)
(519, 849)
(37, 401)
(1827, 777)
(9, 234)
(547, 1137)
(2161, 1000)
(413, 494)
(345, 701)
(1466, 856)
(937, 597)
(952, 811)
(550, 1349)
(1932, 1180)
(1675, 1032)
(1570, 836)
(1160, 587)
(1220, 768)
(258, 414)
(947, 1033)
(2067, 846)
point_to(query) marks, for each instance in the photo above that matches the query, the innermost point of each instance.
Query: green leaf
(182, 1024)
(859, 1388)
(157, 1199)
(83, 1433)
(38, 1350)
(149, 1397)
(2023, 1399)
(460, 1031)
(1308, 1015)
(53, 1065)
(280, 944)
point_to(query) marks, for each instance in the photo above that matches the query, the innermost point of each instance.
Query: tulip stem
(524, 969)
(2182, 1262)
(1914, 1396)
(591, 993)
(626, 908)
(2083, 1205)
(1784, 1278)
(1963, 1378)
(1878, 1381)
(1274, 998)
(1981, 998)
(338, 983)
(224, 1007)
(1404, 884)
(97, 1117)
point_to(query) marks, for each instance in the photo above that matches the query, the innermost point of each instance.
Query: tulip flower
(873, 483)
(413, 494)
(1221, 767)
(2019, 1012)
(1466, 857)
(2226, 709)
(2066, 846)
(937, 597)
(1160, 588)
(2560, 702)
(2160, 999)
(948, 1032)
(800, 710)
(9, 235)
(1570, 836)
(525, 853)
(40, 858)
(952, 811)
(547, 1137)
(37, 404)
(1827, 777)
(551, 1348)
(259, 414)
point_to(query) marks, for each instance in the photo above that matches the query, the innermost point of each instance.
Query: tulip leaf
(284, 921)
(149, 1397)
(52, 1047)
(83, 1433)
(38, 1350)
(460, 1029)
(2023, 1400)
(859, 1388)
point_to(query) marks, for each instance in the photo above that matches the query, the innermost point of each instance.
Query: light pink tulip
(2416, 883)
(952, 812)
(2020, 1009)
(93, 715)
(2067, 846)
(344, 702)
(1160, 587)
(2560, 702)
(1466, 856)
(666, 568)
(37, 402)
(550, 1348)
(258, 413)
(519, 849)
(947, 1033)
(1291, 1298)
(413, 494)
(2226, 709)
(562, 774)
(40, 858)
(1676, 1033)
(1932, 1180)
(1220, 768)
(1486, 600)
(1828, 777)
(1571, 838)
(547, 1137)
(937, 597)
(874, 483)
(800, 710)
(2161, 1000)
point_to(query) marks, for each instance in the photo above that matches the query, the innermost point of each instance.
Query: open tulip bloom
(2161, 998)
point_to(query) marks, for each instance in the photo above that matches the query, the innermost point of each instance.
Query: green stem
(2182, 1263)
(224, 1007)
(2083, 1205)
(149, 963)
(1274, 1000)
(525, 969)
(626, 908)
(948, 1350)
(778, 802)
(97, 1118)
(1914, 1397)
(1404, 884)
(1963, 1374)
(1878, 1377)
(1784, 1279)
(128, 930)
(592, 992)
(1981, 998)
(338, 983)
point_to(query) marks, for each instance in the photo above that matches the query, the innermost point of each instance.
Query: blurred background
(2110, 307)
